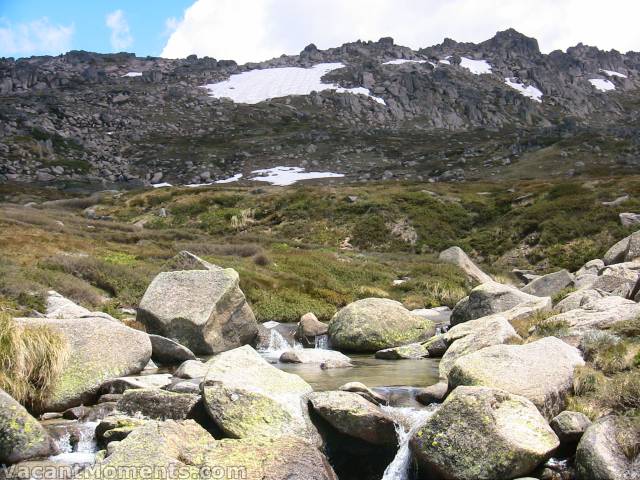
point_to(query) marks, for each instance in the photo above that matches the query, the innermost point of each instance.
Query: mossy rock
(374, 324)
(483, 434)
(21, 436)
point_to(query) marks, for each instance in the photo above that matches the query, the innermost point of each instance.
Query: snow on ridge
(232, 179)
(161, 185)
(283, 176)
(477, 67)
(400, 61)
(611, 73)
(255, 86)
(527, 90)
(133, 74)
(602, 85)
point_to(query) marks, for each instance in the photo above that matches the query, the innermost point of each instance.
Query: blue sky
(33, 27)
(253, 30)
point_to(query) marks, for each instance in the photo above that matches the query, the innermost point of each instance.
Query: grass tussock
(606, 352)
(31, 360)
(540, 324)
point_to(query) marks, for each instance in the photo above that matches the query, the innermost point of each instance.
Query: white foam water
(322, 342)
(408, 421)
(84, 451)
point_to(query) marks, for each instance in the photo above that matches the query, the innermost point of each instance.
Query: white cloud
(38, 37)
(248, 30)
(121, 38)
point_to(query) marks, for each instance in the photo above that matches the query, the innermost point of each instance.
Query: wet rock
(21, 436)
(122, 384)
(203, 310)
(481, 432)
(115, 428)
(169, 352)
(374, 324)
(352, 415)
(413, 351)
(309, 327)
(436, 346)
(364, 391)
(541, 371)
(433, 394)
(312, 355)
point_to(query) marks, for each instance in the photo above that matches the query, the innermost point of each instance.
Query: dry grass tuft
(31, 359)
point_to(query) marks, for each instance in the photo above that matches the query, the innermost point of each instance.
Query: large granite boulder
(482, 433)
(185, 448)
(246, 396)
(21, 436)
(541, 371)
(204, 310)
(413, 351)
(352, 415)
(578, 299)
(58, 306)
(185, 260)
(374, 324)
(492, 297)
(457, 257)
(608, 450)
(99, 350)
(550, 284)
(623, 251)
(309, 327)
(475, 335)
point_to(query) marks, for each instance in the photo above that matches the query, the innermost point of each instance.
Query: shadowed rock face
(482, 433)
(125, 130)
(204, 310)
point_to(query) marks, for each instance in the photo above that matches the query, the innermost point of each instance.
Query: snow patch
(256, 86)
(446, 60)
(477, 67)
(400, 61)
(611, 73)
(527, 90)
(133, 74)
(232, 179)
(161, 185)
(282, 176)
(602, 85)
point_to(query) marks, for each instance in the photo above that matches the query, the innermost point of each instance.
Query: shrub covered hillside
(302, 248)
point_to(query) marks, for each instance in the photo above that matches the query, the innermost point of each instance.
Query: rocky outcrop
(204, 310)
(185, 260)
(99, 350)
(191, 369)
(352, 415)
(374, 324)
(246, 396)
(457, 257)
(492, 297)
(168, 352)
(187, 448)
(608, 450)
(625, 250)
(629, 219)
(541, 371)
(570, 426)
(481, 432)
(550, 284)
(21, 436)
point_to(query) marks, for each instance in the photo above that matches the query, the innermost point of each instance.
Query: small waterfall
(407, 420)
(322, 342)
(277, 342)
(81, 448)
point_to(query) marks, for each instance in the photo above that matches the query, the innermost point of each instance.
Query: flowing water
(76, 442)
(408, 421)
(322, 342)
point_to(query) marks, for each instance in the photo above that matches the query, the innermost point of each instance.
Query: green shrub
(627, 328)
(605, 351)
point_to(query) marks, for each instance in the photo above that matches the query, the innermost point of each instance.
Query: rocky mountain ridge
(124, 121)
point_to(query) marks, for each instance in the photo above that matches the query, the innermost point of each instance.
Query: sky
(253, 30)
